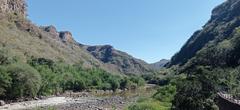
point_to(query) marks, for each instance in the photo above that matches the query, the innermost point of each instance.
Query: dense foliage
(40, 76)
(162, 99)
(214, 69)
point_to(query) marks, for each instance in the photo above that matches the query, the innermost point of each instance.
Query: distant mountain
(26, 40)
(160, 64)
(119, 60)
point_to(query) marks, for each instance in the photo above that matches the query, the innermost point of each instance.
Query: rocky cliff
(64, 36)
(17, 7)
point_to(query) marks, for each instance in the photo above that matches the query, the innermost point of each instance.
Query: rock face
(224, 20)
(17, 7)
(66, 36)
(51, 30)
(119, 60)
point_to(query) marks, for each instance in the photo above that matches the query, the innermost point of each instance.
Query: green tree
(26, 81)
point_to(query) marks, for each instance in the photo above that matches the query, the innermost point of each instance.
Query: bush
(5, 81)
(165, 93)
(114, 84)
(105, 86)
(79, 85)
(138, 80)
(26, 81)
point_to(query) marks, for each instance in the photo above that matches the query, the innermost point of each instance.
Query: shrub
(138, 80)
(165, 93)
(79, 85)
(25, 81)
(105, 86)
(114, 84)
(5, 81)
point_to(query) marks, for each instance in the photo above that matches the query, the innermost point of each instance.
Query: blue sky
(147, 29)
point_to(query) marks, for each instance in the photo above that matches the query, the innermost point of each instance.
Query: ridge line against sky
(146, 29)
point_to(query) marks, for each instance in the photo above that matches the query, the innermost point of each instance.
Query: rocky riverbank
(108, 103)
(67, 103)
(94, 100)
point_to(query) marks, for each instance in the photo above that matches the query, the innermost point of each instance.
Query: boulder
(2, 103)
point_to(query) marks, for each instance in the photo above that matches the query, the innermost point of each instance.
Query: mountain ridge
(210, 61)
(48, 42)
(222, 23)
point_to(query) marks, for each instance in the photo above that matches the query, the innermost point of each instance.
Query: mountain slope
(211, 61)
(160, 64)
(119, 60)
(26, 40)
(224, 20)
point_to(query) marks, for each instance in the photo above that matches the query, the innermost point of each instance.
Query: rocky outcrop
(17, 7)
(66, 36)
(51, 30)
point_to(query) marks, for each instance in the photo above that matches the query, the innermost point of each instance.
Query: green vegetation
(5, 81)
(149, 104)
(199, 90)
(165, 93)
(40, 76)
(162, 99)
(214, 69)
(25, 81)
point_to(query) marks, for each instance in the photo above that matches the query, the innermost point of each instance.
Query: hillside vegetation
(43, 77)
(211, 61)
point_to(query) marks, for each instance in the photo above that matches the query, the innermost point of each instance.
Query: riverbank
(69, 103)
(94, 100)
